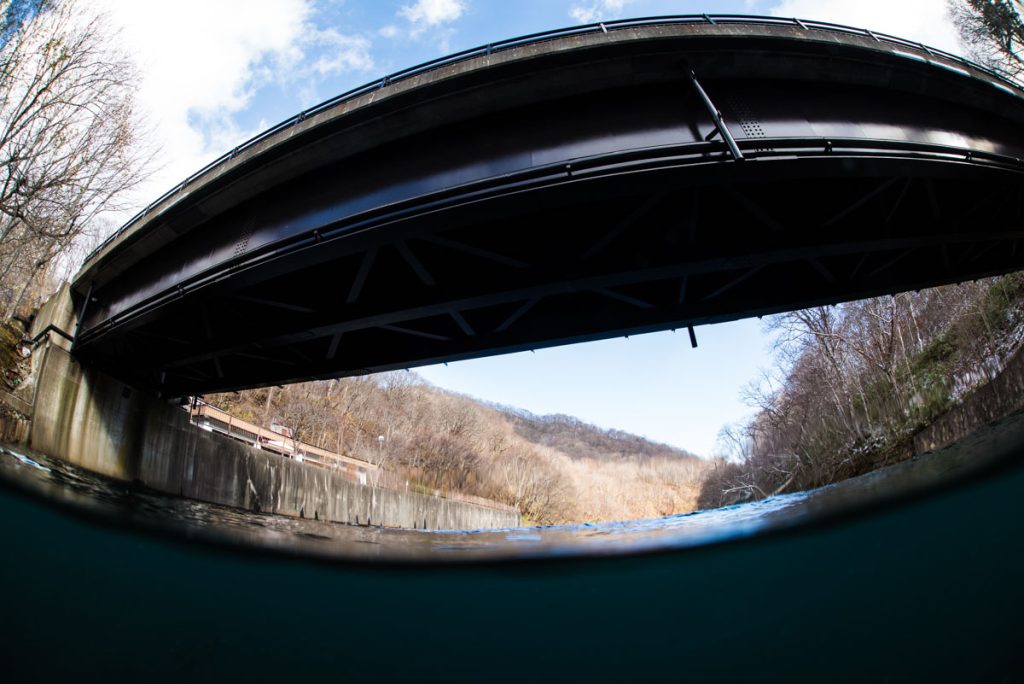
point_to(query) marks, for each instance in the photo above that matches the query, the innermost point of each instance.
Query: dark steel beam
(517, 314)
(820, 268)
(414, 333)
(734, 282)
(860, 202)
(262, 301)
(332, 348)
(981, 251)
(360, 280)
(903, 254)
(463, 324)
(753, 208)
(899, 200)
(626, 299)
(263, 358)
(421, 272)
(529, 296)
(622, 226)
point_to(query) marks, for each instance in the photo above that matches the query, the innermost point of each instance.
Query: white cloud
(925, 21)
(590, 12)
(202, 62)
(429, 20)
(342, 53)
(424, 14)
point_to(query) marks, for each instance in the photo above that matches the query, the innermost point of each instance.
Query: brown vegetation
(11, 333)
(860, 380)
(992, 31)
(68, 145)
(553, 469)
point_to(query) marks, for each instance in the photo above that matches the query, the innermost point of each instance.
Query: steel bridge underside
(578, 213)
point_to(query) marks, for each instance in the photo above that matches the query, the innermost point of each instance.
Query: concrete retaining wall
(91, 420)
(996, 399)
(58, 311)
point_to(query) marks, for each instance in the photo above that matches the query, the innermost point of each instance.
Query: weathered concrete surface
(89, 419)
(1001, 396)
(98, 423)
(59, 312)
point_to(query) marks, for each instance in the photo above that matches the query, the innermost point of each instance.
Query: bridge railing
(483, 50)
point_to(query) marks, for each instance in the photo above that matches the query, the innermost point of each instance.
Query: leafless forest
(855, 382)
(70, 147)
(554, 469)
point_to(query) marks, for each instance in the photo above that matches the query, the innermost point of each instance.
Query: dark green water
(912, 575)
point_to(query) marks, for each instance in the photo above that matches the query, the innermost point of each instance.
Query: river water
(101, 500)
(911, 574)
(104, 501)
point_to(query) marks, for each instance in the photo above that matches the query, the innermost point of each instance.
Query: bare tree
(535, 488)
(441, 441)
(857, 381)
(993, 32)
(69, 148)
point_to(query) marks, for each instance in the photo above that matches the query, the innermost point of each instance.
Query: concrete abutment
(87, 418)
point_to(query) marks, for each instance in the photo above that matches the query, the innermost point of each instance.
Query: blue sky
(215, 72)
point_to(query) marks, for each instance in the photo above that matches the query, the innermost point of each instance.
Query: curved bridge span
(583, 184)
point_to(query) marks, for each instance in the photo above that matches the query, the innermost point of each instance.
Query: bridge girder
(572, 190)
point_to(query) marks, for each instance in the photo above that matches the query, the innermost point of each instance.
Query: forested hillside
(581, 440)
(857, 381)
(554, 469)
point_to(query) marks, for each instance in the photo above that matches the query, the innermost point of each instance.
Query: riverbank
(869, 384)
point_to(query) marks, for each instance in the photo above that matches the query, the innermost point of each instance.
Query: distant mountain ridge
(580, 439)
